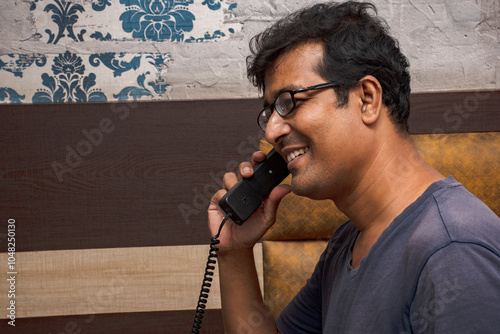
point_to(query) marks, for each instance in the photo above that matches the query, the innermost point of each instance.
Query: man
(419, 253)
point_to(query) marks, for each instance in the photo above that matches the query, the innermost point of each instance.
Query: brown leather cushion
(301, 218)
(472, 158)
(287, 266)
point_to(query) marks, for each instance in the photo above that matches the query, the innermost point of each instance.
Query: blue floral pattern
(33, 5)
(20, 62)
(10, 95)
(65, 15)
(68, 84)
(118, 66)
(159, 85)
(100, 37)
(154, 20)
(216, 35)
(213, 4)
(108, 75)
(157, 20)
(132, 92)
(100, 5)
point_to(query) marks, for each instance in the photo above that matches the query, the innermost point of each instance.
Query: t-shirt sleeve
(458, 291)
(303, 313)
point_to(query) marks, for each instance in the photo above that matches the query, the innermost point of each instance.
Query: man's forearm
(242, 305)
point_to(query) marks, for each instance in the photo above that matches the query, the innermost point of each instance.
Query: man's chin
(308, 189)
(303, 189)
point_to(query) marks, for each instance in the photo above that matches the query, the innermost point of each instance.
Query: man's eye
(288, 104)
(284, 106)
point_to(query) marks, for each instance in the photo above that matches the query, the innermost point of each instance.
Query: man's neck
(395, 178)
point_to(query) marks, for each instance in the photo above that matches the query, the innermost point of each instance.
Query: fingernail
(247, 170)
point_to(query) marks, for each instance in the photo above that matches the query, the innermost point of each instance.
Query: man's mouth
(296, 153)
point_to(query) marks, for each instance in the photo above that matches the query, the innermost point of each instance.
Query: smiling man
(419, 253)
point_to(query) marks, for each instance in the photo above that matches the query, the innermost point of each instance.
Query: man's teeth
(296, 153)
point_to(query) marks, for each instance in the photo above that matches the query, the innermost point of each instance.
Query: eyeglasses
(285, 103)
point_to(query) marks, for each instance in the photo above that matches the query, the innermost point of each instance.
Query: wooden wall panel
(448, 112)
(147, 183)
(174, 322)
(111, 280)
(139, 187)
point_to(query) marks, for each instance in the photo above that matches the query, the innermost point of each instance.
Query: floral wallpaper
(70, 76)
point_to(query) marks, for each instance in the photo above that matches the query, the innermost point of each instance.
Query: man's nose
(277, 127)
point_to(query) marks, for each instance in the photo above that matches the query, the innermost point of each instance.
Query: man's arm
(242, 305)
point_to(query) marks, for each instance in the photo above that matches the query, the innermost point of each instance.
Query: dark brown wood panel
(174, 322)
(78, 176)
(448, 112)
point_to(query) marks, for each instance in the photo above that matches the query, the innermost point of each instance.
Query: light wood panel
(115, 280)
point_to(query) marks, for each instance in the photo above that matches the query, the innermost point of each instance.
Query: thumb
(272, 203)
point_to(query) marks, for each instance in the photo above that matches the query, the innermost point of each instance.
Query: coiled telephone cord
(207, 280)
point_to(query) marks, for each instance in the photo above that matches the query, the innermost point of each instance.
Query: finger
(246, 169)
(215, 213)
(257, 157)
(229, 180)
(214, 201)
(272, 203)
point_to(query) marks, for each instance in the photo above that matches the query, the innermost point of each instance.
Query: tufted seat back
(294, 244)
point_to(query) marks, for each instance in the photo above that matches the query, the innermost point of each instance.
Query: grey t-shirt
(435, 269)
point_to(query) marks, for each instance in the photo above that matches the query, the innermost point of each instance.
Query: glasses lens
(264, 117)
(284, 103)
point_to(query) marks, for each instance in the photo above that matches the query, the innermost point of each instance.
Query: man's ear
(370, 94)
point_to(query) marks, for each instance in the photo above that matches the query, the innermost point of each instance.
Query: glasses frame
(280, 111)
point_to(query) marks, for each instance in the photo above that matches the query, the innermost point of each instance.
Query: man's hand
(244, 237)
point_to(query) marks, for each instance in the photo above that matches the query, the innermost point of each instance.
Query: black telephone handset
(247, 195)
(239, 203)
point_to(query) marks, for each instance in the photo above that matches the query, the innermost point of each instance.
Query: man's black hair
(356, 43)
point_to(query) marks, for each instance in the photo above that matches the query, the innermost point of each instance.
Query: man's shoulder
(465, 217)
(453, 214)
